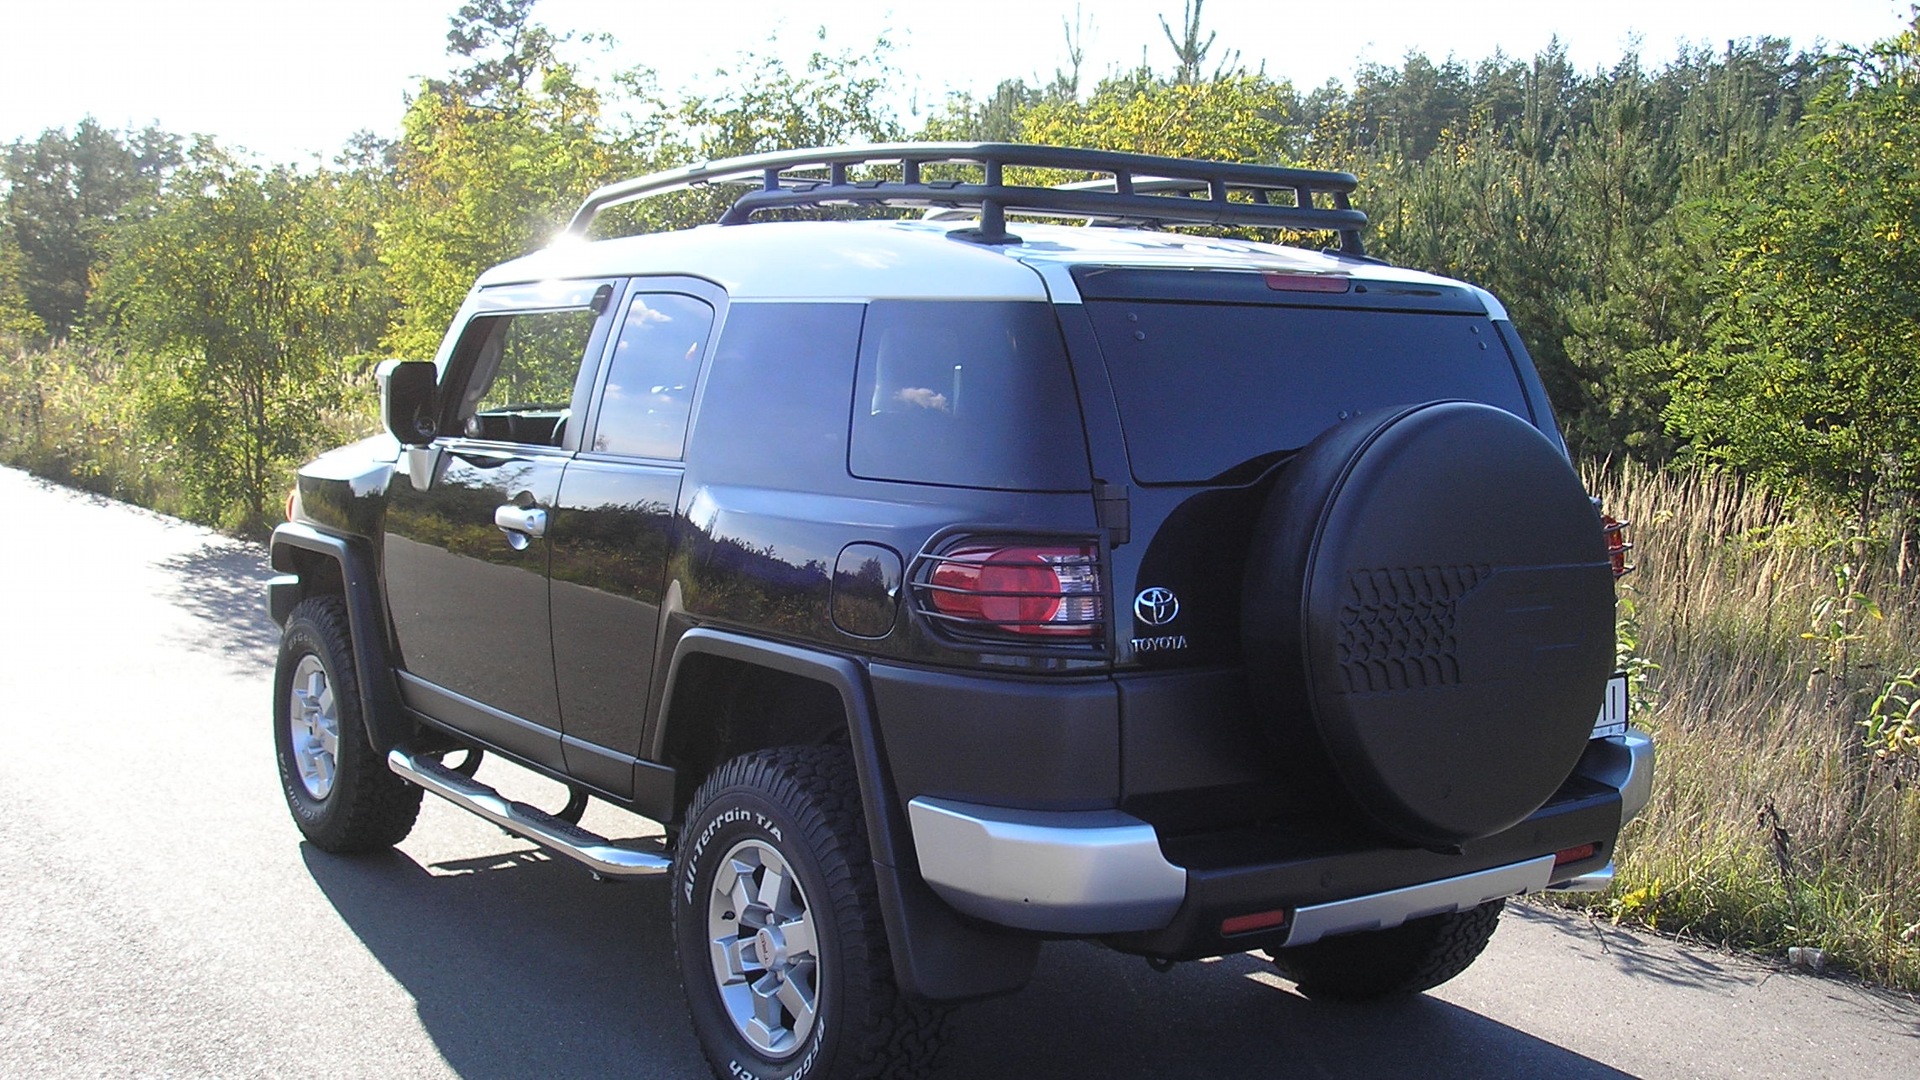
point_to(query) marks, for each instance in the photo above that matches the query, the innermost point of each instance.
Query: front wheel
(1417, 955)
(777, 920)
(339, 789)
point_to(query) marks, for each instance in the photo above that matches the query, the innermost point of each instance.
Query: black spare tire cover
(1429, 604)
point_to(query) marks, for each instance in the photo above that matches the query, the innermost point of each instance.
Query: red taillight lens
(1051, 591)
(1618, 545)
(293, 498)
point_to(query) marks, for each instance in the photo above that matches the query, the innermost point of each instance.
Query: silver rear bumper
(1102, 871)
(1071, 872)
(1624, 762)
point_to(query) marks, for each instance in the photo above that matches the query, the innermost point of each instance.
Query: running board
(600, 855)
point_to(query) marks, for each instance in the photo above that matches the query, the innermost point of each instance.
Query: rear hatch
(1217, 378)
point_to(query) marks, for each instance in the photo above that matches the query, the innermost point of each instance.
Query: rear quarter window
(967, 394)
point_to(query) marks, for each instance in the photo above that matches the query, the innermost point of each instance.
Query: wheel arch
(315, 563)
(936, 955)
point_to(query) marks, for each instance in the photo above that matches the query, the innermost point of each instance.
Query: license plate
(1613, 711)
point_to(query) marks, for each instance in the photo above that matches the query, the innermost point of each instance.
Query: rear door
(466, 542)
(1220, 376)
(613, 527)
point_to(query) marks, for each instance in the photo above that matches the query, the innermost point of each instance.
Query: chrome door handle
(520, 523)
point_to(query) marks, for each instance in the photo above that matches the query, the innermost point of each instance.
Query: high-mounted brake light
(1322, 283)
(1029, 590)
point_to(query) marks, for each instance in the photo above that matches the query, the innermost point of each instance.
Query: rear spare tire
(1429, 606)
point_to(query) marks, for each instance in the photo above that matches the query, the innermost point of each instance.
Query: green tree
(1236, 117)
(64, 193)
(248, 301)
(1811, 374)
(18, 323)
(491, 163)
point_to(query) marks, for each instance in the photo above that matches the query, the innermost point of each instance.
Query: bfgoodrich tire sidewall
(734, 815)
(300, 641)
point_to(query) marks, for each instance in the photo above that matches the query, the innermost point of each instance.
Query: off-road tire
(1415, 956)
(803, 803)
(367, 807)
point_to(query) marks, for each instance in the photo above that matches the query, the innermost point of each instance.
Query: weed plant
(1774, 650)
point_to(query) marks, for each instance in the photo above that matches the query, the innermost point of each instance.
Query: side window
(649, 391)
(967, 393)
(520, 375)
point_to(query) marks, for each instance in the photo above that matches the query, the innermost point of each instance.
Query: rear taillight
(1026, 590)
(1618, 545)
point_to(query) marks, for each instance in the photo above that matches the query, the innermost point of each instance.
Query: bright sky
(292, 81)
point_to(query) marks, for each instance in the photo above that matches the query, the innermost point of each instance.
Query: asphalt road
(160, 916)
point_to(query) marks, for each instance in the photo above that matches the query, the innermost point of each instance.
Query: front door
(466, 548)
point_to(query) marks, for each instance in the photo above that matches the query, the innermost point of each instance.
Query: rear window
(1210, 391)
(968, 394)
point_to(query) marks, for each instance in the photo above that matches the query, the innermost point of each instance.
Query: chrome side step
(600, 855)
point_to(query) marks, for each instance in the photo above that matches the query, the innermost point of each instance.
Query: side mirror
(407, 400)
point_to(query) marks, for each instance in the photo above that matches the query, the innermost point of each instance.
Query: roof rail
(1139, 188)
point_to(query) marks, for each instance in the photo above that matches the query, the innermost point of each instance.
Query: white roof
(870, 260)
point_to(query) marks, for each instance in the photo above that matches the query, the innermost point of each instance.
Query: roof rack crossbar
(1139, 188)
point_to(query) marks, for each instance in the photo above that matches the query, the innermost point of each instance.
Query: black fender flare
(936, 954)
(387, 722)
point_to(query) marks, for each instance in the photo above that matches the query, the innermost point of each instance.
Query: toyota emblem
(1156, 606)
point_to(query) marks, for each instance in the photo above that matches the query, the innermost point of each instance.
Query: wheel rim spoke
(730, 962)
(798, 999)
(773, 888)
(799, 935)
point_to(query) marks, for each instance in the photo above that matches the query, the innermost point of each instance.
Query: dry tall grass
(1766, 632)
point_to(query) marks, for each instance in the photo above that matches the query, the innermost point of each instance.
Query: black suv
(1018, 569)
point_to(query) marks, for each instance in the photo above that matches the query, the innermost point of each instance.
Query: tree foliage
(64, 194)
(244, 295)
(1811, 368)
(1236, 117)
(1712, 257)
(489, 166)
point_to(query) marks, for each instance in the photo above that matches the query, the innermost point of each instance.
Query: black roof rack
(1138, 188)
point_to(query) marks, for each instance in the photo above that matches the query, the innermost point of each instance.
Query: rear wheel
(777, 919)
(1417, 955)
(340, 791)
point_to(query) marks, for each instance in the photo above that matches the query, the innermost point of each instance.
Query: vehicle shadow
(223, 586)
(1094, 1013)
(1673, 963)
(522, 966)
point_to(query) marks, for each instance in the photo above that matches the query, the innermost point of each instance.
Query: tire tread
(370, 808)
(887, 1034)
(1407, 959)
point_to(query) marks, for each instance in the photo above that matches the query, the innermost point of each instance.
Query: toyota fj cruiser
(1020, 569)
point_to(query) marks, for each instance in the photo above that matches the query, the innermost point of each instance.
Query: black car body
(1192, 594)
